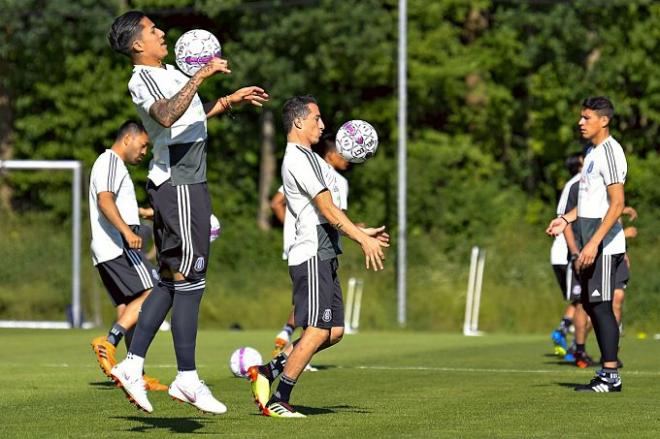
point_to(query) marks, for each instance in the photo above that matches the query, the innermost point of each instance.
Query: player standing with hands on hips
(175, 119)
(312, 200)
(600, 235)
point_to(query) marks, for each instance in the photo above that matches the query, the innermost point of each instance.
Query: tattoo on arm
(168, 111)
(337, 226)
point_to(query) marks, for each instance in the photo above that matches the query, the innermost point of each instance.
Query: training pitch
(379, 384)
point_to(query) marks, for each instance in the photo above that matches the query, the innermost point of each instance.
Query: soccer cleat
(582, 360)
(281, 340)
(559, 340)
(105, 354)
(260, 387)
(133, 387)
(601, 384)
(570, 358)
(152, 384)
(279, 409)
(197, 395)
(310, 368)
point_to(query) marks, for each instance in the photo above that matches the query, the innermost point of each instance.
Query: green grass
(380, 384)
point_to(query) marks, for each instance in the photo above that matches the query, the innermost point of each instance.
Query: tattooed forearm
(337, 226)
(168, 111)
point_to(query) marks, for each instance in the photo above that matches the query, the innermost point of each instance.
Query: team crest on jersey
(590, 168)
(327, 315)
(199, 264)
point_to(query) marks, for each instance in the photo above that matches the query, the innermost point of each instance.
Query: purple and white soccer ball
(356, 141)
(216, 228)
(194, 49)
(242, 359)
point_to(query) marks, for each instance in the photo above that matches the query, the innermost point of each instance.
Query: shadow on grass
(571, 385)
(311, 411)
(103, 384)
(561, 363)
(170, 425)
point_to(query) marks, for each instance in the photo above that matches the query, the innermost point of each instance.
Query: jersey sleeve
(615, 167)
(343, 193)
(572, 200)
(144, 90)
(108, 174)
(308, 175)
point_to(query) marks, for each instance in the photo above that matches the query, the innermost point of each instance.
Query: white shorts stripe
(183, 201)
(140, 268)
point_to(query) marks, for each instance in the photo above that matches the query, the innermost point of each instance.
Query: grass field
(394, 384)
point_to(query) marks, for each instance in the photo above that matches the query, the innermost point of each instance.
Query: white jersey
(567, 201)
(605, 164)
(289, 221)
(149, 84)
(109, 174)
(304, 175)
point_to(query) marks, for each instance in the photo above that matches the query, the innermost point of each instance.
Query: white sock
(134, 363)
(188, 376)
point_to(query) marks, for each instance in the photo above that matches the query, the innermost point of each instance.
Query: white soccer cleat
(198, 395)
(310, 368)
(132, 385)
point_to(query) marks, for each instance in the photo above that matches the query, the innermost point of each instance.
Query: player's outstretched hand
(630, 212)
(216, 65)
(373, 253)
(134, 241)
(378, 233)
(556, 226)
(252, 94)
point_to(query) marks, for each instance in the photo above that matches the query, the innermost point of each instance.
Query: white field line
(624, 372)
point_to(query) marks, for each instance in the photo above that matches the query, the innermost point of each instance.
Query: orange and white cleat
(281, 340)
(105, 354)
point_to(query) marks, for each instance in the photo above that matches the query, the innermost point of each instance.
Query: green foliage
(495, 90)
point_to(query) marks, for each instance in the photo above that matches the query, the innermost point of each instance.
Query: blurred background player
(564, 250)
(175, 119)
(312, 199)
(116, 244)
(327, 149)
(600, 235)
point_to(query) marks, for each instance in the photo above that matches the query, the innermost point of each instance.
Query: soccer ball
(356, 141)
(194, 49)
(216, 228)
(242, 359)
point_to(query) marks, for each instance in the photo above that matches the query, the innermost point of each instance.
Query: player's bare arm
(253, 95)
(168, 111)
(371, 246)
(617, 202)
(109, 209)
(557, 225)
(278, 206)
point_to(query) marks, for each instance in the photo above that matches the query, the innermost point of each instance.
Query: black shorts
(182, 224)
(127, 276)
(599, 280)
(621, 276)
(317, 294)
(568, 282)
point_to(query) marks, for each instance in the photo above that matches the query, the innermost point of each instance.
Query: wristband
(562, 217)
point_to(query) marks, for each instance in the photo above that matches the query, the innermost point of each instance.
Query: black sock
(565, 325)
(128, 338)
(185, 315)
(116, 334)
(289, 329)
(579, 348)
(284, 388)
(276, 365)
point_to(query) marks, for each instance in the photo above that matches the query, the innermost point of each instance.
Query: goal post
(76, 192)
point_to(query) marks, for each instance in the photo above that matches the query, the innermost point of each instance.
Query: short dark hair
(296, 107)
(124, 30)
(600, 104)
(326, 145)
(130, 126)
(574, 162)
